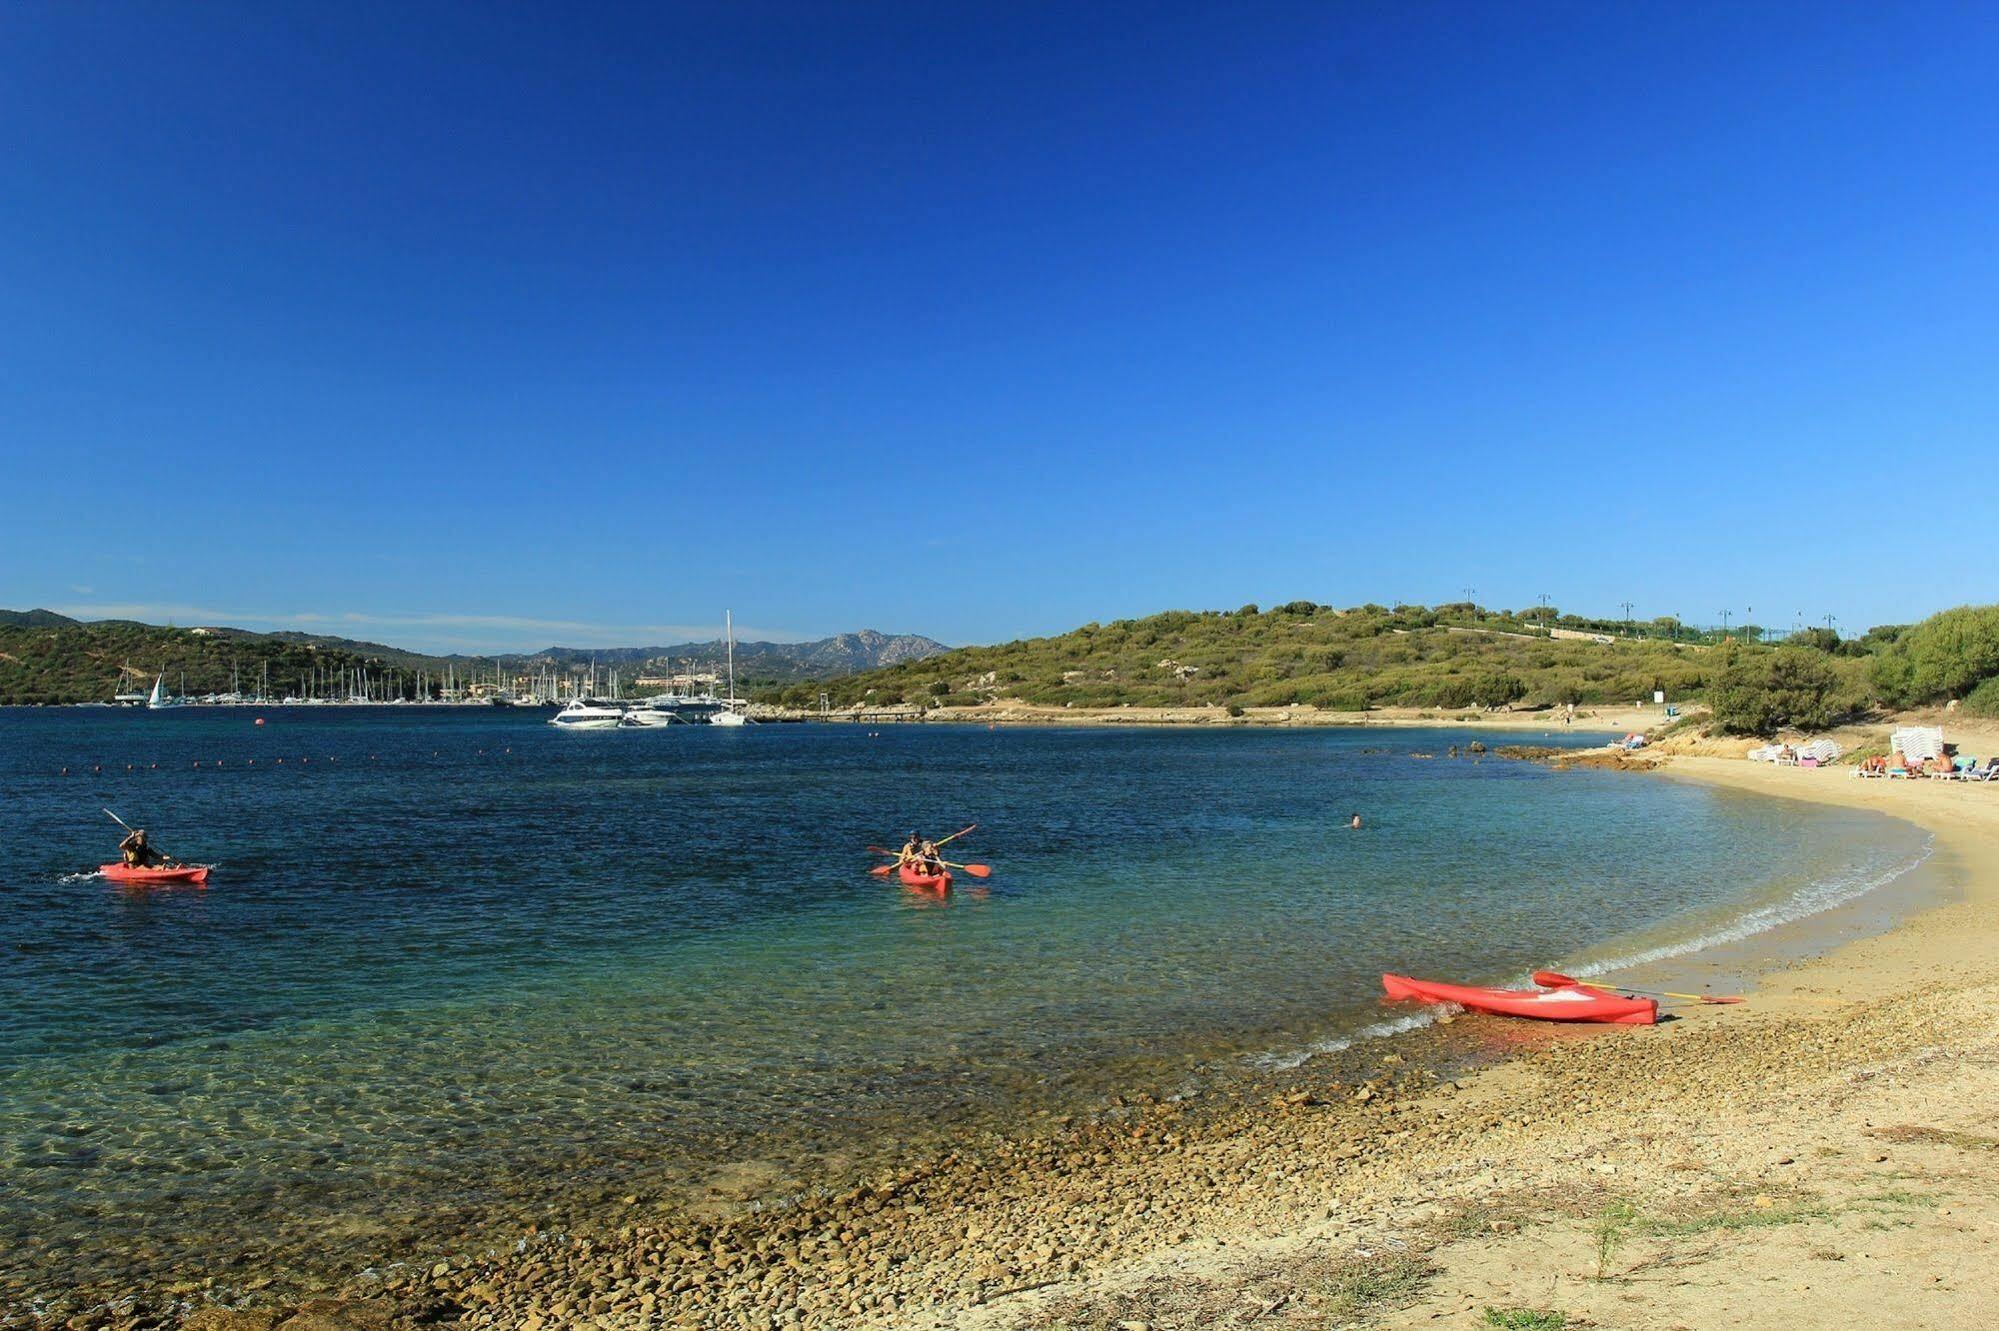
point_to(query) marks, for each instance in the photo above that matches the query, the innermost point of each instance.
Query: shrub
(1756, 693)
(1497, 690)
(1946, 656)
(1984, 700)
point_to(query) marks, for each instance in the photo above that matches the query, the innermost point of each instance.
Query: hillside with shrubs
(1450, 657)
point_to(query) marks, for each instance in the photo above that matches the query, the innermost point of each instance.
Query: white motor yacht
(659, 711)
(591, 714)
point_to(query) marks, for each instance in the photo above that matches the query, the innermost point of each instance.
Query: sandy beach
(1820, 1155)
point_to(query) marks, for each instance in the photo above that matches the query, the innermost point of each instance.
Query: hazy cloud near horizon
(429, 631)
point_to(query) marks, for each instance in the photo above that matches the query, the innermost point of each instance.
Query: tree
(1758, 692)
(1497, 690)
(1946, 656)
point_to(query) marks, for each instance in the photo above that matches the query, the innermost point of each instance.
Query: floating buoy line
(227, 764)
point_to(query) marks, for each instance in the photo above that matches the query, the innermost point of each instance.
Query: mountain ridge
(46, 657)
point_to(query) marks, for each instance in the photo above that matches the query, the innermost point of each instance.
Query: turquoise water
(458, 972)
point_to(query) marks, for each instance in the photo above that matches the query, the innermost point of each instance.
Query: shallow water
(458, 972)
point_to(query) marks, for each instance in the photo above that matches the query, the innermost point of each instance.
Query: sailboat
(158, 698)
(730, 715)
(124, 697)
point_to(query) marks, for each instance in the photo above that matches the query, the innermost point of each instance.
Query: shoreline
(1595, 718)
(1079, 1221)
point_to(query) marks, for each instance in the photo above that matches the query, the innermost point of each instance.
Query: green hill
(46, 658)
(1450, 656)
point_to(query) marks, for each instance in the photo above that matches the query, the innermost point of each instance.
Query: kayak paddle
(882, 870)
(955, 835)
(1557, 980)
(164, 857)
(976, 870)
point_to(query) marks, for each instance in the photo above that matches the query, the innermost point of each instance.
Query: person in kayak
(930, 860)
(911, 851)
(138, 852)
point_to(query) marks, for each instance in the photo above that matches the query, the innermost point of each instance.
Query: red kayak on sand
(178, 873)
(1569, 1003)
(911, 878)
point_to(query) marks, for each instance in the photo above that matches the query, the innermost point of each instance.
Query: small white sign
(1658, 695)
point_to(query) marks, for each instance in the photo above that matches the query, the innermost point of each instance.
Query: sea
(457, 973)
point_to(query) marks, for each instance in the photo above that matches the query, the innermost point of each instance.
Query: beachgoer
(138, 853)
(912, 849)
(1355, 824)
(931, 857)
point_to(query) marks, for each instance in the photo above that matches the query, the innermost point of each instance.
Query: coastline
(1593, 718)
(1368, 1188)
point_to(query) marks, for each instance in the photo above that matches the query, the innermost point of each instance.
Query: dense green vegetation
(48, 659)
(1951, 655)
(1757, 693)
(1449, 657)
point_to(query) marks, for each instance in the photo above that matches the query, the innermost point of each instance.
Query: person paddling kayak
(923, 855)
(138, 852)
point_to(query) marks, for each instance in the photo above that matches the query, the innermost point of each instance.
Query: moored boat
(590, 714)
(1567, 1003)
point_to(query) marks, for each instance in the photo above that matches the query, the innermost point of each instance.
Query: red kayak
(177, 873)
(1568, 1003)
(911, 878)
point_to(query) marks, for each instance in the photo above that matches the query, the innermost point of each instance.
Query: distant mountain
(756, 662)
(34, 619)
(49, 658)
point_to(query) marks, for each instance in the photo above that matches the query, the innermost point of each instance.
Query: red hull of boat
(125, 873)
(1569, 1003)
(911, 878)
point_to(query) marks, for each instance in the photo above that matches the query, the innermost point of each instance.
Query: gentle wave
(1380, 1030)
(1814, 898)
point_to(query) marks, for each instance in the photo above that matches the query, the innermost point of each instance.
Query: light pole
(1724, 623)
(1545, 626)
(1627, 618)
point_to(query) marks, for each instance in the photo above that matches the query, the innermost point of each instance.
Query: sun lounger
(1989, 772)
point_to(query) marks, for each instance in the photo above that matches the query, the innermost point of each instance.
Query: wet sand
(1821, 1155)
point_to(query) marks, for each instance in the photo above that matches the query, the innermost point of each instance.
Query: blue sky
(492, 326)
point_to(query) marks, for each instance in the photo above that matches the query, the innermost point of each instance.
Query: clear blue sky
(489, 326)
